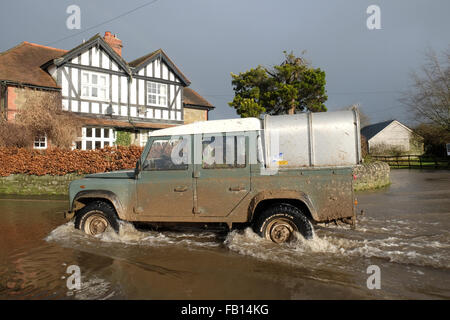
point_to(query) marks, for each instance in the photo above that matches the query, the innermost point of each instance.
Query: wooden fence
(415, 161)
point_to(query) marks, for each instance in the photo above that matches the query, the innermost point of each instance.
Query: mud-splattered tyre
(96, 217)
(278, 223)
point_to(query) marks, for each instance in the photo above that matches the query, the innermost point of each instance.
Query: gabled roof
(98, 41)
(371, 130)
(141, 62)
(22, 64)
(192, 98)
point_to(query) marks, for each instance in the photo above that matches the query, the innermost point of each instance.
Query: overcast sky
(208, 39)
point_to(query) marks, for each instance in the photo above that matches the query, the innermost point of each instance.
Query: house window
(156, 94)
(95, 138)
(40, 142)
(94, 86)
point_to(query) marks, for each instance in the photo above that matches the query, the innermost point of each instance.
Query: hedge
(61, 161)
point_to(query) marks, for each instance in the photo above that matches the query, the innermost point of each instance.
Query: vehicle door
(165, 184)
(223, 174)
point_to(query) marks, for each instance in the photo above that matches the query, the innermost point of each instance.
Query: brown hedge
(61, 161)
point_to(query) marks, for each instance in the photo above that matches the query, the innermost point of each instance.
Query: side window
(260, 148)
(164, 154)
(223, 151)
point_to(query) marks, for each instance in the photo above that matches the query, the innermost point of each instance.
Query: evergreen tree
(293, 86)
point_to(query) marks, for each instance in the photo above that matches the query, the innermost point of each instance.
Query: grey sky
(208, 39)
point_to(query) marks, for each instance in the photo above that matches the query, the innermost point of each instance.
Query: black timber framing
(94, 41)
(126, 118)
(96, 69)
(157, 80)
(161, 56)
(174, 77)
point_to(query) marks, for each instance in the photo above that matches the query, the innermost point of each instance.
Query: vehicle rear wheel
(96, 217)
(278, 223)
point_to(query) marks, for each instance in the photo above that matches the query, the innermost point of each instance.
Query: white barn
(391, 135)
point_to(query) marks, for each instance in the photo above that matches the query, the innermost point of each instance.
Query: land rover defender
(280, 174)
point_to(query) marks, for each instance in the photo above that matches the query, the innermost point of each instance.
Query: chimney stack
(114, 42)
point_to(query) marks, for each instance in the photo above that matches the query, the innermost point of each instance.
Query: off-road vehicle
(279, 175)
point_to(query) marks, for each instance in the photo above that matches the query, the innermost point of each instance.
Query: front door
(223, 177)
(164, 186)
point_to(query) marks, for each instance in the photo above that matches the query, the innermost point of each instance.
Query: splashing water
(325, 247)
(129, 235)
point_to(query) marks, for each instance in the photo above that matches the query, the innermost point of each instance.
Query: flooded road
(405, 231)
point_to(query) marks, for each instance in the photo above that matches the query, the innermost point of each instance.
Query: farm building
(392, 137)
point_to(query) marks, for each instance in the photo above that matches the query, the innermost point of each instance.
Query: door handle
(239, 188)
(180, 189)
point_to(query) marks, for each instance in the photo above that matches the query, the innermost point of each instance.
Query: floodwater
(405, 231)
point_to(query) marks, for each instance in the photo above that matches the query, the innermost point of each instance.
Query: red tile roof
(137, 62)
(192, 98)
(22, 63)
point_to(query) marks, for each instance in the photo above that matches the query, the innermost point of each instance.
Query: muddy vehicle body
(279, 175)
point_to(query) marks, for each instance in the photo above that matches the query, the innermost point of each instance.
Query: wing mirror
(146, 164)
(137, 168)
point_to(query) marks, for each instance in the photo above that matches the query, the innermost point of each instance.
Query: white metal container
(324, 139)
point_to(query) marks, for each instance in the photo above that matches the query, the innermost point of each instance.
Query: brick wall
(11, 108)
(193, 115)
(17, 98)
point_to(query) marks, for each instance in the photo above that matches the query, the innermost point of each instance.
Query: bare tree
(42, 114)
(429, 97)
(14, 135)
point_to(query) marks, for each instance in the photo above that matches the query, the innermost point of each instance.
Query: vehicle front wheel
(278, 223)
(96, 217)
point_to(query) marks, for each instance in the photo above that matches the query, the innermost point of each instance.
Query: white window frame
(89, 86)
(93, 139)
(38, 140)
(155, 96)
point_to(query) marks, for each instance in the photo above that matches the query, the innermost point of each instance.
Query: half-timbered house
(106, 93)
